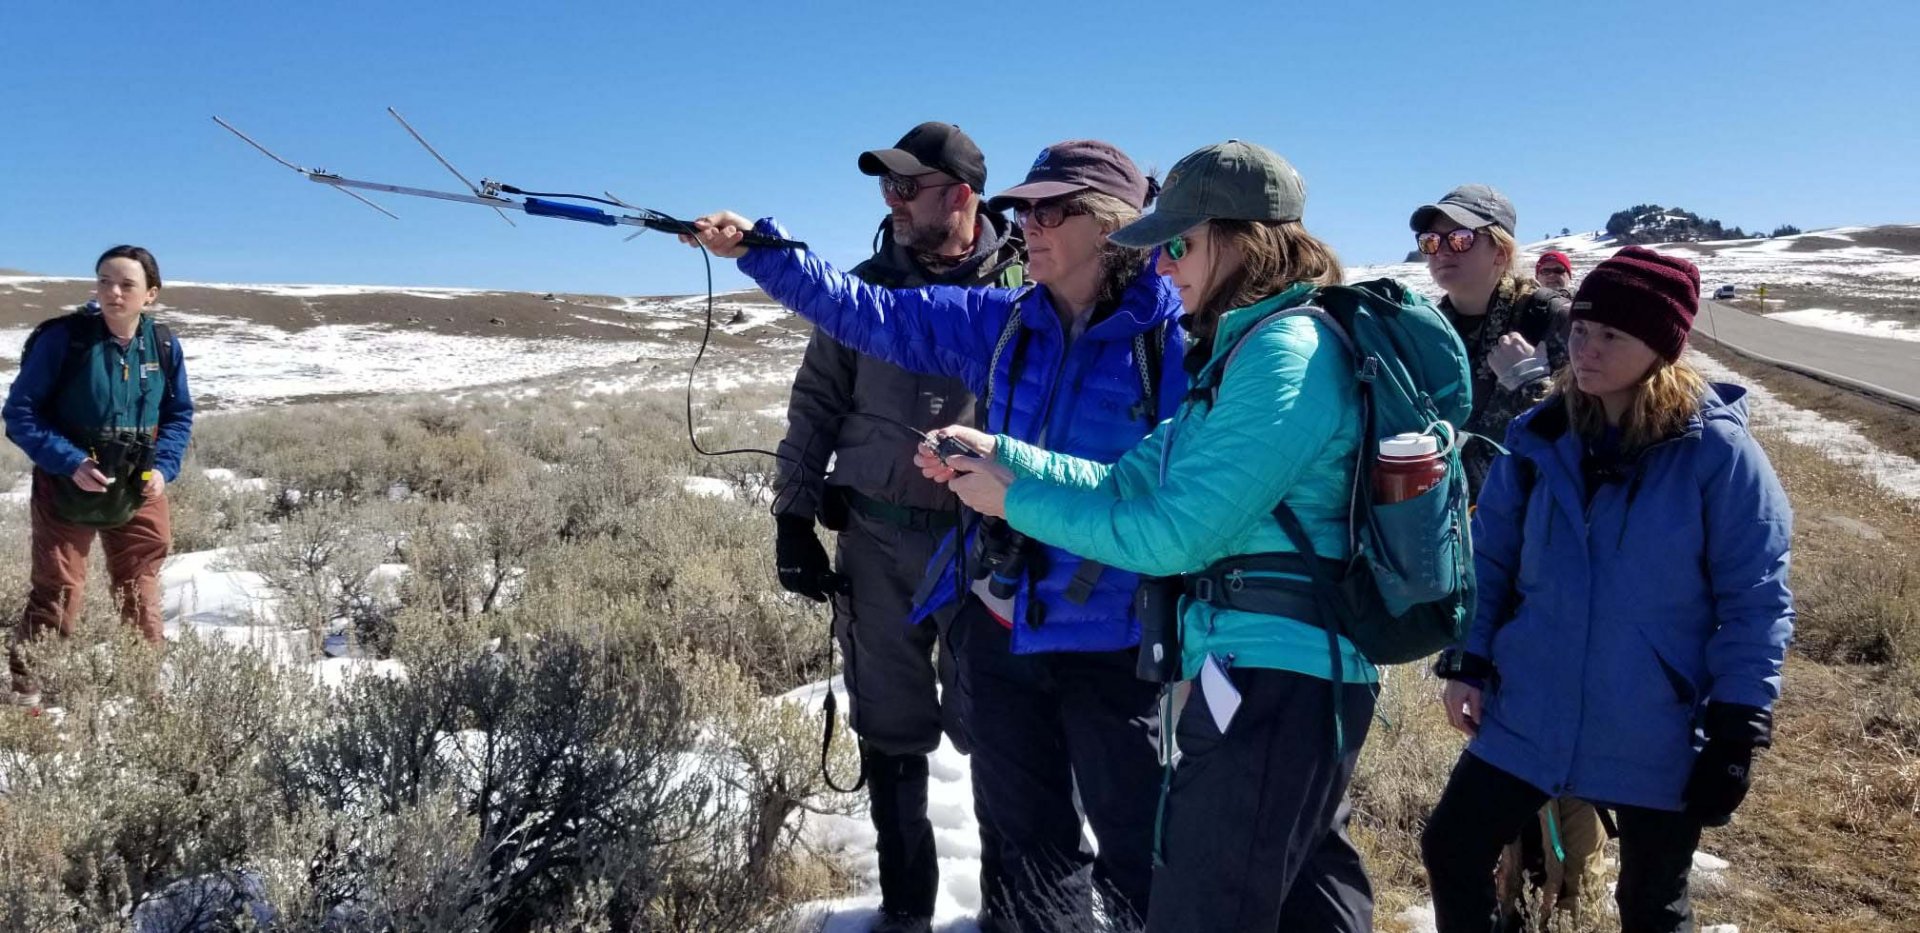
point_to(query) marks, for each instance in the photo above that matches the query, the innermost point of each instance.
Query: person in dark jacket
(102, 409)
(1059, 723)
(890, 519)
(1639, 519)
(1508, 324)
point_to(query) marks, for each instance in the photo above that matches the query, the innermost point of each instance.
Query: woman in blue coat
(1256, 809)
(1059, 722)
(1633, 614)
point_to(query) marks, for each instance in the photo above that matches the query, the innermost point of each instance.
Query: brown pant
(134, 553)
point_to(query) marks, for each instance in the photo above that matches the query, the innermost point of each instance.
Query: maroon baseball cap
(1077, 165)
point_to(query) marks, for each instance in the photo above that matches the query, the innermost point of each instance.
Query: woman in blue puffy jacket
(1059, 723)
(1633, 613)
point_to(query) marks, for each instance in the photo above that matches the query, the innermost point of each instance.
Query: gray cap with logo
(1227, 181)
(1470, 206)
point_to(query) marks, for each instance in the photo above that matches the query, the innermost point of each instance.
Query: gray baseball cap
(1227, 181)
(1470, 206)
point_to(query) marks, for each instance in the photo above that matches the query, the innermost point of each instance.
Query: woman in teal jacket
(1254, 835)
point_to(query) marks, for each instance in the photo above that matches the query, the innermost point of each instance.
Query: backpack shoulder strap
(1149, 351)
(77, 339)
(1207, 385)
(163, 341)
(1009, 334)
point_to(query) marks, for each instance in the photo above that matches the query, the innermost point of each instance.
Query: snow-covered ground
(1814, 263)
(1849, 322)
(956, 837)
(1840, 441)
(238, 363)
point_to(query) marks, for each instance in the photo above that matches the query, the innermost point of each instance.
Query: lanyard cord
(133, 357)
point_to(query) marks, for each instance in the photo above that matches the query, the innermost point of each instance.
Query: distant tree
(1737, 234)
(1621, 223)
(1786, 230)
(1565, 232)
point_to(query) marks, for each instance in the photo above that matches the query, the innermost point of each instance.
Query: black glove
(801, 560)
(1464, 666)
(1724, 770)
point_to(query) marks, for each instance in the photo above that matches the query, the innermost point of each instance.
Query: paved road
(1893, 366)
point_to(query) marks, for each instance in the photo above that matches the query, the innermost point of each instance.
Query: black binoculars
(124, 455)
(1000, 557)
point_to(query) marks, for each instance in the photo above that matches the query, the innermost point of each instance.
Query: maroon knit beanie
(1651, 296)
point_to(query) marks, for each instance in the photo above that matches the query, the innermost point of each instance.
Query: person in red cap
(1638, 519)
(1085, 361)
(1554, 270)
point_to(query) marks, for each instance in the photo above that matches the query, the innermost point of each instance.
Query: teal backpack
(1407, 590)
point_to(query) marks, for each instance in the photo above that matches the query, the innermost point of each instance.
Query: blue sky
(1756, 113)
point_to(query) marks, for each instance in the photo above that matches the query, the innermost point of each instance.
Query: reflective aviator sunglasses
(1459, 241)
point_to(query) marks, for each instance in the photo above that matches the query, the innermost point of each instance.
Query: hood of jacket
(997, 245)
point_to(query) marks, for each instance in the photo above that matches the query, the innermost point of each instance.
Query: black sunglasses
(908, 187)
(1049, 214)
(1459, 241)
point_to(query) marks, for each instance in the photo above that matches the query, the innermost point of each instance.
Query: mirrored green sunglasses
(1176, 248)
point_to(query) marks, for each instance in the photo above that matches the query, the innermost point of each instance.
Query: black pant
(1256, 822)
(893, 706)
(1483, 808)
(1056, 735)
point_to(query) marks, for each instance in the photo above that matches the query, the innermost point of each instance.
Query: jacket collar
(1149, 299)
(1544, 435)
(996, 245)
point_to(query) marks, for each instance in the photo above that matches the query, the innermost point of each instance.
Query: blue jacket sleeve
(32, 390)
(1224, 472)
(1749, 526)
(1499, 521)
(939, 330)
(176, 419)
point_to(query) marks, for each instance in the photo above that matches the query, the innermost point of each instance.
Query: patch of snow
(956, 840)
(1840, 441)
(1848, 322)
(708, 487)
(334, 673)
(1419, 919)
(199, 594)
(21, 493)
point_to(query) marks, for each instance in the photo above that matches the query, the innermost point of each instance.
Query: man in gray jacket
(890, 519)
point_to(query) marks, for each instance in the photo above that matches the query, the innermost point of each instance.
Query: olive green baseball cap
(1227, 181)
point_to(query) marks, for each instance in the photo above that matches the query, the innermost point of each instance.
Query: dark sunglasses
(908, 187)
(1177, 248)
(1048, 214)
(1458, 241)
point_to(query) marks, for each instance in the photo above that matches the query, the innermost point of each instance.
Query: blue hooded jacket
(1085, 400)
(1612, 625)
